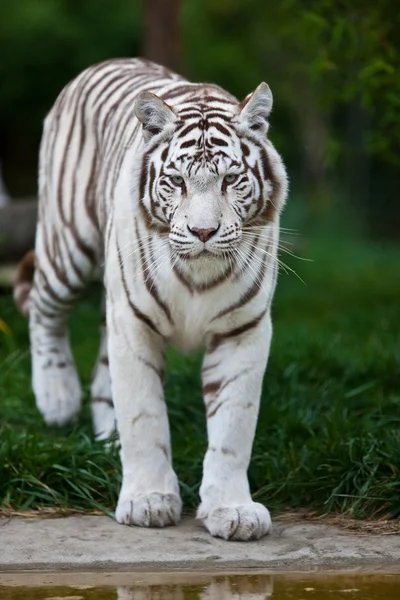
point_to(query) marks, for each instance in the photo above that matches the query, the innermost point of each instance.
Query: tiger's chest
(192, 320)
(194, 315)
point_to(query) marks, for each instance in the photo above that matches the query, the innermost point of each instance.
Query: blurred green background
(333, 67)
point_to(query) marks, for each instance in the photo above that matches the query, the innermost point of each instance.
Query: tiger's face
(210, 170)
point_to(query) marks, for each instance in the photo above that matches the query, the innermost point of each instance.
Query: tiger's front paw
(242, 523)
(151, 510)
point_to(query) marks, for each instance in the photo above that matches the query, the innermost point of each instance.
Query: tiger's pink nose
(204, 234)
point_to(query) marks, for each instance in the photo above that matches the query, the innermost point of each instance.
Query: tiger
(174, 191)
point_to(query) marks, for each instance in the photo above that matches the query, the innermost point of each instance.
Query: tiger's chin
(205, 267)
(205, 255)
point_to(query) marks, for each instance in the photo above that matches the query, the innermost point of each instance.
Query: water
(170, 586)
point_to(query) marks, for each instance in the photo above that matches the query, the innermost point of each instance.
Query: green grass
(329, 429)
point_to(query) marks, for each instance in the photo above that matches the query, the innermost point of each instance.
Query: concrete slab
(98, 542)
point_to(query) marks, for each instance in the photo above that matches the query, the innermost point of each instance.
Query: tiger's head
(208, 169)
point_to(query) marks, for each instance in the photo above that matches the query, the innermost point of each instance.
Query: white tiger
(177, 190)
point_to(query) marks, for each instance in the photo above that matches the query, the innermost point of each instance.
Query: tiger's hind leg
(103, 416)
(58, 280)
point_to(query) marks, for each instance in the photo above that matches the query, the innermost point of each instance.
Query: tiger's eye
(230, 178)
(177, 179)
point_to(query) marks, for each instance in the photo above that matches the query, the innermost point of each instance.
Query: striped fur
(176, 190)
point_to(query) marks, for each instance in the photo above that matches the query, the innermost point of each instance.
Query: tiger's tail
(23, 282)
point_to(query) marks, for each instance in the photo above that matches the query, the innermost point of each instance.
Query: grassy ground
(329, 430)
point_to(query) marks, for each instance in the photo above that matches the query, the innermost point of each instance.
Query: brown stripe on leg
(102, 403)
(106, 401)
(219, 338)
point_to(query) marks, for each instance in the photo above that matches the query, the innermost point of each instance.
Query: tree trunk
(4, 197)
(162, 32)
(313, 129)
(17, 229)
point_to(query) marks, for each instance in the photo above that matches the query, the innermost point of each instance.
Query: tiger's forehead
(205, 156)
(207, 139)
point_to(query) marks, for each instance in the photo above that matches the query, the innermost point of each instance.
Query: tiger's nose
(203, 234)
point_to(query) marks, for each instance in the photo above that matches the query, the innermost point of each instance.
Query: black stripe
(188, 144)
(217, 115)
(148, 280)
(218, 141)
(188, 129)
(218, 338)
(184, 88)
(249, 294)
(136, 311)
(156, 370)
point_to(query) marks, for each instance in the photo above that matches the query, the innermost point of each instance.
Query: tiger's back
(83, 142)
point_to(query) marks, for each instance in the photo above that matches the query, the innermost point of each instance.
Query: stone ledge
(97, 542)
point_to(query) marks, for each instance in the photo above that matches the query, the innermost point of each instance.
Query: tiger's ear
(255, 109)
(154, 114)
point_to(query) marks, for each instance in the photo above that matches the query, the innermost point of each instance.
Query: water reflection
(225, 588)
(192, 586)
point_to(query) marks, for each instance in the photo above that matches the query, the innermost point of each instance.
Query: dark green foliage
(45, 43)
(321, 58)
(329, 430)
